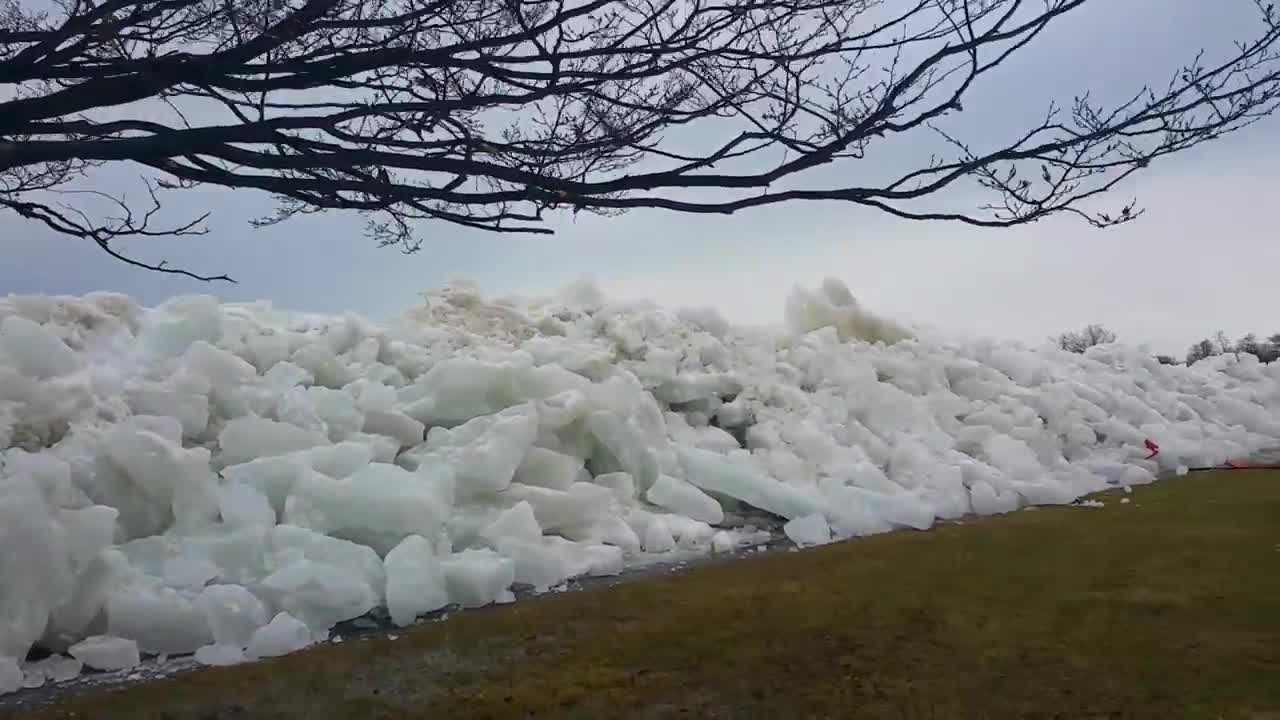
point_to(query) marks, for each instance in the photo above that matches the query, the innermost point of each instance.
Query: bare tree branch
(492, 113)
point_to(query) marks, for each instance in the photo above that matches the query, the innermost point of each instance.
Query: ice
(179, 475)
(319, 594)
(485, 452)
(682, 498)
(415, 580)
(658, 537)
(538, 563)
(249, 438)
(105, 652)
(558, 509)
(220, 655)
(10, 675)
(35, 573)
(34, 350)
(519, 523)
(241, 504)
(808, 530)
(622, 485)
(160, 619)
(288, 543)
(283, 635)
(232, 614)
(477, 577)
(396, 425)
(715, 473)
(56, 668)
(378, 506)
(550, 469)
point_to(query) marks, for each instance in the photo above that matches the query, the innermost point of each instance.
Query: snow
(232, 480)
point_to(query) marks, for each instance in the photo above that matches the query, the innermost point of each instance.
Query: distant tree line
(1267, 350)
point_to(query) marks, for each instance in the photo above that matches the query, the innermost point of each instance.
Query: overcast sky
(1204, 258)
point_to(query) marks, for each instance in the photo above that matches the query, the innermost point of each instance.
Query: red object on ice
(1153, 447)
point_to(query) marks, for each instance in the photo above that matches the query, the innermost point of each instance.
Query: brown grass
(1164, 607)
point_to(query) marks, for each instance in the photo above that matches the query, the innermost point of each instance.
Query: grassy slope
(1164, 607)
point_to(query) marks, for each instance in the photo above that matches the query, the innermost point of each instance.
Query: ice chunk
(170, 329)
(549, 469)
(714, 473)
(395, 424)
(415, 580)
(478, 577)
(486, 451)
(150, 456)
(160, 619)
(808, 530)
(51, 475)
(580, 505)
(622, 485)
(457, 390)
(517, 522)
(378, 506)
(220, 655)
(382, 449)
(232, 614)
(224, 370)
(538, 563)
(10, 675)
(590, 559)
(988, 500)
(238, 554)
(266, 349)
(319, 594)
(35, 572)
(289, 542)
(248, 438)
(626, 445)
(682, 498)
(87, 530)
(328, 370)
(56, 668)
(273, 476)
(242, 504)
(189, 572)
(71, 619)
(607, 529)
(35, 351)
(658, 537)
(283, 635)
(339, 460)
(106, 652)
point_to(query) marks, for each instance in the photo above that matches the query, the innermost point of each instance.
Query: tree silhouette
(491, 113)
(1092, 334)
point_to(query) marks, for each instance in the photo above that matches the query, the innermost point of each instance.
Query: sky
(1202, 259)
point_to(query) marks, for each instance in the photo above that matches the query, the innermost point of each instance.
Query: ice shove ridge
(232, 480)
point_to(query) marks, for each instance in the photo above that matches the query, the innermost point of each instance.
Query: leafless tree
(1092, 334)
(490, 113)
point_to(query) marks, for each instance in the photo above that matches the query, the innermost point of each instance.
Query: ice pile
(232, 480)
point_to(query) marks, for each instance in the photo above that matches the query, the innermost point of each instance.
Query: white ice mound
(232, 480)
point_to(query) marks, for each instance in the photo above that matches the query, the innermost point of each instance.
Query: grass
(1164, 607)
